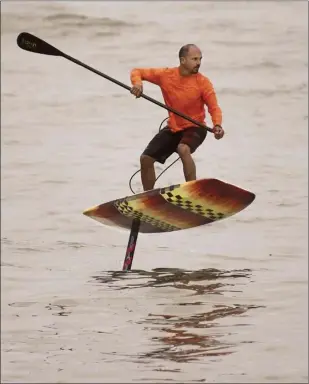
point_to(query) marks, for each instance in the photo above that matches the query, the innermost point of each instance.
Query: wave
(76, 20)
(63, 24)
(299, 89)
(235, 43)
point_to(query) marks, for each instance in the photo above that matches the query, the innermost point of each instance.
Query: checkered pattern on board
(188, 205)
(125, 209)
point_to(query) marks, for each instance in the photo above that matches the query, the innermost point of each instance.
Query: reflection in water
(198, 333)
(203, 339)
(172, 277)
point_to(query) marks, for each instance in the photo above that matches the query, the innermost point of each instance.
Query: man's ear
(182, 60)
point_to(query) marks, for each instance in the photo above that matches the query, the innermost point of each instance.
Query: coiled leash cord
(135, 173)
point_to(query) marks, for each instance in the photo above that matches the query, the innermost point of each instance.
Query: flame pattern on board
(176, 207)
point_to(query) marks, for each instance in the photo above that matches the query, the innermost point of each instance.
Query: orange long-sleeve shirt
(186, 94)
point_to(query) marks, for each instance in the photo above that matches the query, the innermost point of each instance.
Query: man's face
(193, 60)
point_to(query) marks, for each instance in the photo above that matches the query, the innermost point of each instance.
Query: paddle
(32, 43)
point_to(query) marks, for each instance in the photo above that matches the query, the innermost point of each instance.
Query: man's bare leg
(148, 174)
(188, 163)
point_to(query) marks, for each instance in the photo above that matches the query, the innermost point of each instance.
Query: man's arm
(153, 75)
(210, 99)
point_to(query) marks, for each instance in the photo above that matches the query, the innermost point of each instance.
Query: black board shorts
(165, 143)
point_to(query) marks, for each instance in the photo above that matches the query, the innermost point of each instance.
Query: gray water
(226, 302)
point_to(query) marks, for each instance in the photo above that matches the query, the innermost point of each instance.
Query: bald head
(190, 57)
(184, 50)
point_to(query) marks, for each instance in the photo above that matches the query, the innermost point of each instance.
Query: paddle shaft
(142, 95)
(128, 260)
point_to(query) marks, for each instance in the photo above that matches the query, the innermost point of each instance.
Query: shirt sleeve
(153, 75)
(210, 99)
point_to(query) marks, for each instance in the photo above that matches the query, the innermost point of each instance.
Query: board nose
(89, 211)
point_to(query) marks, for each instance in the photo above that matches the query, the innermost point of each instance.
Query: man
(185, 90)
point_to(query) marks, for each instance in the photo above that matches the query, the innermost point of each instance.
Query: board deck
(180, 206)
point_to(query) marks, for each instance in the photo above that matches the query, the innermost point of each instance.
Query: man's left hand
(218, 132)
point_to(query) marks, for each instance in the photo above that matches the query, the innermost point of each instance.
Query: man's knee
(183, 150)
(146, 161)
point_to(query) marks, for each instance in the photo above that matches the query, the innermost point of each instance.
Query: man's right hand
(137, 90)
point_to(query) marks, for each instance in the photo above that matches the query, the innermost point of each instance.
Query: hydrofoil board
(176, 207)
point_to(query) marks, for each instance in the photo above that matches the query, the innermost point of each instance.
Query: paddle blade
(32, 43)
